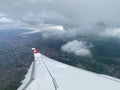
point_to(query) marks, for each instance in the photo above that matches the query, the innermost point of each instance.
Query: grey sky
(81, 17)
(78, 12)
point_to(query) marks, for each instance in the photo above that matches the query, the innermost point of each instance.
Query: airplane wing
(48, 74)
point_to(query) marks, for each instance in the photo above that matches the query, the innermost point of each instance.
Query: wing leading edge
(48, 74)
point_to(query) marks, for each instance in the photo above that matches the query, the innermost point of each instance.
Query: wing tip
(34, 50)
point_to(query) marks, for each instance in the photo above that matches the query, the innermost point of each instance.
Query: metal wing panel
(52, 75)
(71, 78)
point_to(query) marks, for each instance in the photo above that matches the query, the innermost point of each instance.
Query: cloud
(84, 13)
(5, 20)
(46, 30)
(8, 22)
(80, 48)
(61, 32)
(58, 34)
(111, 32)
(44, 16)
(71, 33)
(79, 16)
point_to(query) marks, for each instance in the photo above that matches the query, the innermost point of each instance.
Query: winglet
(35, 51)
(36, 54)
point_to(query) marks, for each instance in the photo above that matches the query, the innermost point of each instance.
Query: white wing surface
(48, 74)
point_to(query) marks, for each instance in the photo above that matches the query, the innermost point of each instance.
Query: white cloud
(5, 20)
(47, 30)
(61, 32)
(53, 33)
(80, 48)
(111, 32)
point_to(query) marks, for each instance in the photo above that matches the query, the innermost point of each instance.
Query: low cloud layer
(60, 32)
(80, 48)
(4, 19)
(111, 33)
(79, 17)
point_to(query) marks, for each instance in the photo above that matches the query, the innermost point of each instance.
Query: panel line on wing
(53, 78)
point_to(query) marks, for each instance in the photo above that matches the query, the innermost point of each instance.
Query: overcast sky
(69, 12)
(81, 17)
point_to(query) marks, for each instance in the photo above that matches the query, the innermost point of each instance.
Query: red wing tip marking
(34, 50)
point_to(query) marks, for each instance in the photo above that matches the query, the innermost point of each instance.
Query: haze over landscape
(81, 33)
